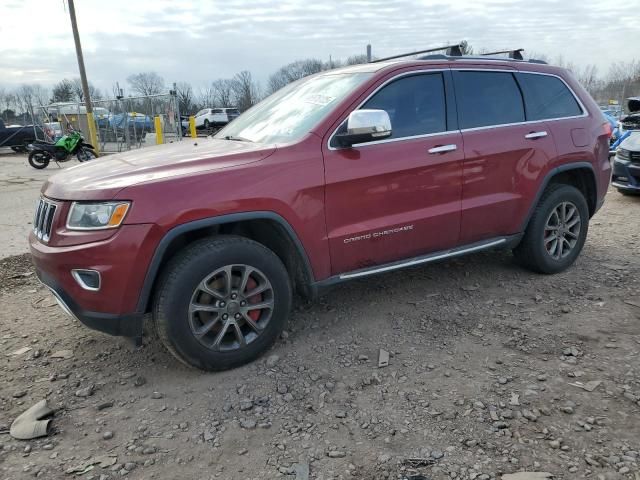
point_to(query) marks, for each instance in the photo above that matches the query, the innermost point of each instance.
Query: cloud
(201, 41)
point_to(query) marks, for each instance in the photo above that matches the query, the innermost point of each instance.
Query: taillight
(608, 131)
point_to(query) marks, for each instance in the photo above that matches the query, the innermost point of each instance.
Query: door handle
(443, 149)
(534, 135)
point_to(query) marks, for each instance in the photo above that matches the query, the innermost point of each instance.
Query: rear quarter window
(547, 97)
(487, 98)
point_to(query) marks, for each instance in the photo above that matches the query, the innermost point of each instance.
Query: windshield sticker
(319, 99)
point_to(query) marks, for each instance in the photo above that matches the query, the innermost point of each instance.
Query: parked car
(215, 117)
(17, 136)
(626, 165)
(114, 126)
(339, 176)
(630, 122)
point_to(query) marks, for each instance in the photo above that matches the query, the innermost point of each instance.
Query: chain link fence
(122, 124)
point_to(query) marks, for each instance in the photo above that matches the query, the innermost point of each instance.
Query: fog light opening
(87, 279)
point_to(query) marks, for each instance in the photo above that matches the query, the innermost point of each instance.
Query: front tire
(86, 154)
(39, 159)
(206, 124)
(222, 302)
(556, 232)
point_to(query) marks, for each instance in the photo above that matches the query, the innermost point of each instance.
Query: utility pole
(83, 77)
(369, 53)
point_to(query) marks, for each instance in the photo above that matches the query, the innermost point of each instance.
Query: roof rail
(452, 51)
(515, 54)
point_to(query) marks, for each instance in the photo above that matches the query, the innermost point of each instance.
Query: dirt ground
(19, 190)
(492, 370)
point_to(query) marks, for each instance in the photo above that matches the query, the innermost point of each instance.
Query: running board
(432, 257)
(319, 288)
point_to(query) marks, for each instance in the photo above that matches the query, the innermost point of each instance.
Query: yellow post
(93, 136)
(159, 136)
(192, 126)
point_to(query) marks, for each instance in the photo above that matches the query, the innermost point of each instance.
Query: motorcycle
(41, 153)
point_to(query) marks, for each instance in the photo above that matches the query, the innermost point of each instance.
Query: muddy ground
(493, 370)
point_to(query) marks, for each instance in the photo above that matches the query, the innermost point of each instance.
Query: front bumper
(114, 324)
(121, 260)
(626, 175)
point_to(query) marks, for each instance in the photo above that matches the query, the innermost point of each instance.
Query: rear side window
(216, 110)
(415, 104)
(547, 97)
(487, 98)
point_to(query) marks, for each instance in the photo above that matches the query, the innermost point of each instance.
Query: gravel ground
(492, 370)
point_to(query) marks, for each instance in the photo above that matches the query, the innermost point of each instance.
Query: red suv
(340, 175)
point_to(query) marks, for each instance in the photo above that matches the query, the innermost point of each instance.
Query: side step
(431, 257)
(318, 288)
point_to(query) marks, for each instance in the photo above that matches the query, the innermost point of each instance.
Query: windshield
(291, 112)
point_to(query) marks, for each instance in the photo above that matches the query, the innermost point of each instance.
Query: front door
(399, 197)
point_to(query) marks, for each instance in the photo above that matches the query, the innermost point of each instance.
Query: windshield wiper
(237, 139)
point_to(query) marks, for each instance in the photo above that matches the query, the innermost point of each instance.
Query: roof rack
(514, 54)
(452, 51)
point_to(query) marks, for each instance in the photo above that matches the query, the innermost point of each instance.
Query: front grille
(634, 157)
(623, 154)
(43, 219)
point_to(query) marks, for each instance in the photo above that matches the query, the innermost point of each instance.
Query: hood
(632, 142)
(103, 178)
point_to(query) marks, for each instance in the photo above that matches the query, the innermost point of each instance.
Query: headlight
(96, 216)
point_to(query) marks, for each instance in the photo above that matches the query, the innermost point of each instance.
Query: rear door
(504, 155)
(399, 197)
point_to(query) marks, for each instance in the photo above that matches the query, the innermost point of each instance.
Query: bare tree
(246, 91)
(28, 99)
(466, 48)
(223, 92)
(588, 77)
(117, 90)
(206, 97)
(62, 91)
(292, 72)
(146, 83)
(357, 59)
(184, 93)
(94, 93)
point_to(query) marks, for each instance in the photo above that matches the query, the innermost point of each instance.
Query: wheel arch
(267, 228)
(578, 174)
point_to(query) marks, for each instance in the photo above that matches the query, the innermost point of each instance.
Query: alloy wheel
(562, 230)
(231, 307)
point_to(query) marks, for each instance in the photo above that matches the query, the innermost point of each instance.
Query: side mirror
(365, 126)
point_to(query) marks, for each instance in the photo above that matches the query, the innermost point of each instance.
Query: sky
(200, 41)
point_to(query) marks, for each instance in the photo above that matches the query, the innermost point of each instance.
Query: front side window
(487, 98)
(415, 104)
(547, 97)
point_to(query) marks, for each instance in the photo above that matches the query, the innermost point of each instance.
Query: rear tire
(211, 323)
(39, 159)
(556, 232)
